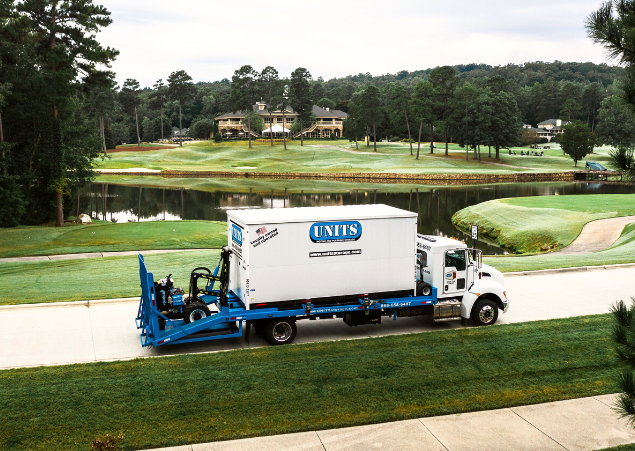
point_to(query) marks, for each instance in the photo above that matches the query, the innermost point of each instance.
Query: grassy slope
(391, 157)
(526, 224)
(623, 251)
(108, 237)
(94, 278)
(208, 397)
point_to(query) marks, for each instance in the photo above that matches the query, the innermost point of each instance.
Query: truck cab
(466, 288)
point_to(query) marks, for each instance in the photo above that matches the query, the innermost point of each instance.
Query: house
(551, 128)
(327, 121)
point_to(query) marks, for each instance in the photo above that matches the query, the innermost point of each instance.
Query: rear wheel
(281, 331)
(195, 311)
(485, 312)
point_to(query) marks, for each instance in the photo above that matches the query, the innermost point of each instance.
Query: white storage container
(326, 254)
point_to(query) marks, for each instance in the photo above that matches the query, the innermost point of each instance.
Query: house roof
(548, 122)
(317, 111)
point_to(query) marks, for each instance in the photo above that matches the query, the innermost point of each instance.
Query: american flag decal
(261, 231)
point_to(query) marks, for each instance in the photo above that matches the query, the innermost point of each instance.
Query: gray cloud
(211, 39)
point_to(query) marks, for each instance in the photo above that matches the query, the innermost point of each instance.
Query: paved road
(598, 235)
(577, 425)
(75, 333)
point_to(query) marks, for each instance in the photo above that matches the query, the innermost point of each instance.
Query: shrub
(623, 158)
(107, 443)
(405, 140)
(217, 137)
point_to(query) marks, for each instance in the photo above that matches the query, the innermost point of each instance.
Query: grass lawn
(186, 399)
(623, 251)
(330, 156)
(107, 237)
(93, 278)
(526, 224)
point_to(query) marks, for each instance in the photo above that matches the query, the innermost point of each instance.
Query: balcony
(332, 123)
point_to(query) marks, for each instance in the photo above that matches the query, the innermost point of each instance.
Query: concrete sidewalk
(40, 258)
(576, 425)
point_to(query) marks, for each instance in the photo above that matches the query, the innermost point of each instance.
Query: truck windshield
(456, 259)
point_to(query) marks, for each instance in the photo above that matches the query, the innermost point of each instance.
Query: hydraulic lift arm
(222, 278)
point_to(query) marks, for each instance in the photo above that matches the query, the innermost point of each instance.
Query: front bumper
(506, 305)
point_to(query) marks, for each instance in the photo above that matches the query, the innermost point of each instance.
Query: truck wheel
(423, 289)
(195, 311)
(484, 312)
(281, 331)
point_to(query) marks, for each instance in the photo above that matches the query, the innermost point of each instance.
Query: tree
(422, 107)
(611, 26)
(570, 110)
(270, 87)
(244, 93)
(253, 121)
(624, 343)
(577, 141)
(444, 80)
(130, 101)
(505, 121)
(203, 128)
(300, 97)
(354, 126)
(400, 104)
(181, 90)
(282, 102)
(65, 44)
(463, 100)
(616, 123)
(369, 104)
(530, 137)
(5, 90)
(158, 99)
(325, 102)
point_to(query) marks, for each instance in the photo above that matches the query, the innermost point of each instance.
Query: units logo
(237, 234)
(331, 232)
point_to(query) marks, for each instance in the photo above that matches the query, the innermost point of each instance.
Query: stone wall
(383, 177)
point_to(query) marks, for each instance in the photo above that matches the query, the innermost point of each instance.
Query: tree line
(60, 107)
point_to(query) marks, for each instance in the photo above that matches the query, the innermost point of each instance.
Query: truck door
(455, 271)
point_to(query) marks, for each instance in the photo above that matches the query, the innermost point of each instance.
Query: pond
(131, 202)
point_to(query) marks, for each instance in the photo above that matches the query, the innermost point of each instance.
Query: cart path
(573, 424)
(597, 235)
(105, 331)
(40, 258)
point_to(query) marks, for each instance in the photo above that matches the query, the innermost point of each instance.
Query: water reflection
(435, 205)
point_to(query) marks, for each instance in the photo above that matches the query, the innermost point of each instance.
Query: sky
(211, 39)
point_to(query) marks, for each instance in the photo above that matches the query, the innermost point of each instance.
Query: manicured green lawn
(109, 237)
(623, 251)
(329, 156)
(93, 278)
(526, 224)
(186, 399)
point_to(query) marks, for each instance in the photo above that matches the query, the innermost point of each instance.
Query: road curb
(69, 303)
(572, 269)
(56, 257)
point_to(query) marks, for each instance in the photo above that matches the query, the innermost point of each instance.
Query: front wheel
(424, 289)
(281, 331)
(484, 312)
(195, 311)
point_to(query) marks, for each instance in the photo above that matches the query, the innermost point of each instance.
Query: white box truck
(282, 257)
(359, 263)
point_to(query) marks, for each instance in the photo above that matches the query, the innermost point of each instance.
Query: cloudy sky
(211, 39)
